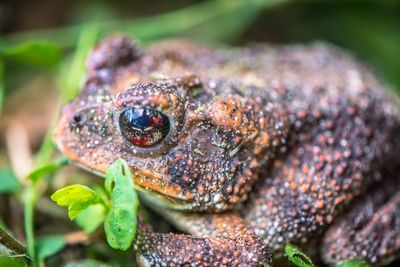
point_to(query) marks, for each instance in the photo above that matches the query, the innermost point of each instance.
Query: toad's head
(187, 147)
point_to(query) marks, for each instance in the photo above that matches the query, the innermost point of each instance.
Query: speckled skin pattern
(267, 145)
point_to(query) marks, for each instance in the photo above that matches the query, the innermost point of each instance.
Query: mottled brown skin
(267, 145)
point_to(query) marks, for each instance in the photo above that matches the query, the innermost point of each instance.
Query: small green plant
(117, 209)
(300, 259)
(297, 257)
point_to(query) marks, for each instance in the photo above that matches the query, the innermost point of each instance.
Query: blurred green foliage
(9, 183)
(369, 28)
(48, 246)
(36, 53)
(1, 84)
(227, 18)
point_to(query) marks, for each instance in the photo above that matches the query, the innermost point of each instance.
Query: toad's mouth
(155, 189)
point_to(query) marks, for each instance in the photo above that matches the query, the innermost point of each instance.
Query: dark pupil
(143, 126)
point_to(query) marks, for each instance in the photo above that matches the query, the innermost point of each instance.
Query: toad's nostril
(77, 118)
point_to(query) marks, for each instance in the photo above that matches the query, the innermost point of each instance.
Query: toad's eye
(144, 127)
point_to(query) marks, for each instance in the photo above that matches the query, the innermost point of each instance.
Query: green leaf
(228, 22)
(297, 257)
(49, 245)
(47, 146)
(72, 73)
(353, 263)
(121, 222)
(2, 85)
(76, 197)
(30, 196)
(36, 53)
(47, 169)
(11, 262)
(173, 23)
(8, 182)
(91, 218)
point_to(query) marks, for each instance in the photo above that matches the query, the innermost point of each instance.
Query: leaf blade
(91, 218)
(49, 245)
(8, 182)
(72, 74)
(297, 257)
(76, 197)
(35, 53)
(44, 170)
(2, 85)
(121, 222)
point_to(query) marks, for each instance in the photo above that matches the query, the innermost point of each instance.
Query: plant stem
(11, 244)
(2, 89)
(71, 79)
(47, 147)
(29, 205)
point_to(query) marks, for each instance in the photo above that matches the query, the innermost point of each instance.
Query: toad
(244, 149)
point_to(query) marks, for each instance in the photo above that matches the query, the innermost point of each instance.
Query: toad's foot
(220, 240)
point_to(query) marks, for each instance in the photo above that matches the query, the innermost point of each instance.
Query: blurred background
(43, 46)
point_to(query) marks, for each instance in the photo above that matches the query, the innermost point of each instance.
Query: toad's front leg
(217, 240)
